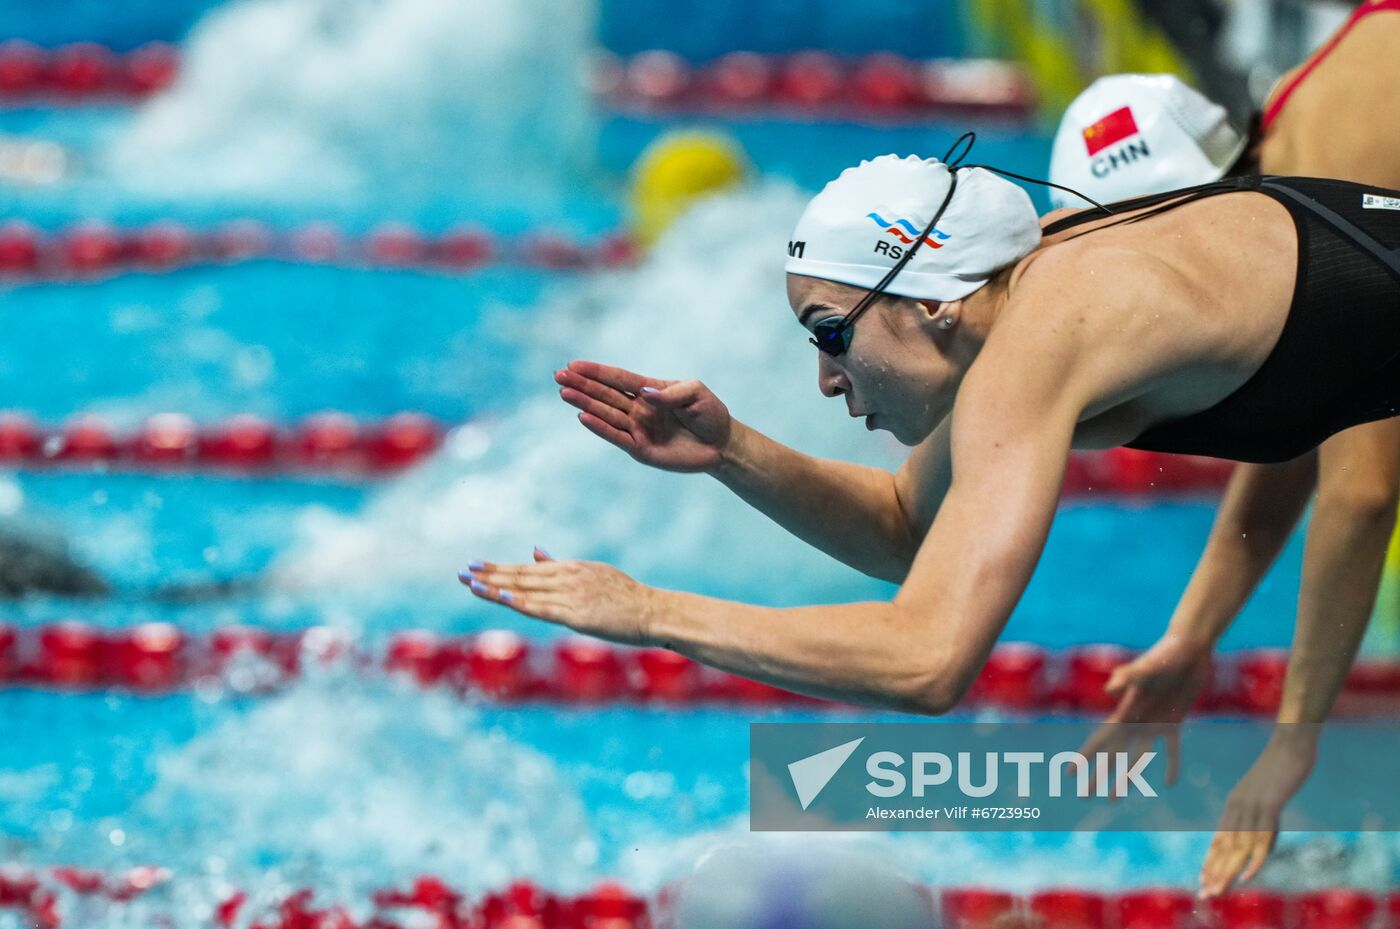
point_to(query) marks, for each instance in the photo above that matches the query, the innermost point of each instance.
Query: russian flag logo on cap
(1115, 127)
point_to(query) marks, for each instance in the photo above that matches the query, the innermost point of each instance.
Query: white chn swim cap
(1130, 135)
(860, 225)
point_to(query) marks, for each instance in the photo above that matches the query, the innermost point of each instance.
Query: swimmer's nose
(831, 380)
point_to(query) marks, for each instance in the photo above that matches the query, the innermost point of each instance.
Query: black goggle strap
(1036, 180)
(971, 138)
(874, 293)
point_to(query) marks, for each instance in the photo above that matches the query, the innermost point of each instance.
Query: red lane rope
(430, 901)
(880, 86)
(504, 667)
(92, 250)
(83, 72)
(336, 443)
(1135, 473)
(326, 443)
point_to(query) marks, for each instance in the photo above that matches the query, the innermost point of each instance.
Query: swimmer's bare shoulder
(1081, 319)
(1100, 317)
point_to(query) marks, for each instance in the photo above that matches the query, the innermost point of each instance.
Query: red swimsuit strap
(1357, 16)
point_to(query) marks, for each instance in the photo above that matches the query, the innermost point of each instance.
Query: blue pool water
(348, 783)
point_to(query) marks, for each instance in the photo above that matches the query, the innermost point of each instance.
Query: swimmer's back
(1324, 354)
(1335, 115)
(1192, 301)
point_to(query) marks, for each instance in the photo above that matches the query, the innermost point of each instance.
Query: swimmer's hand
(671, 425)
(589, 597)
(1249, 826)
(1156, 691)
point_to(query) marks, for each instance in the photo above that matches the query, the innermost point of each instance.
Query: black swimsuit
(1337, 362)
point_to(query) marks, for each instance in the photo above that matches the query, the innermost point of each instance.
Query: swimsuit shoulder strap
(1366, 9)
(1280, 188)
(1152, 204)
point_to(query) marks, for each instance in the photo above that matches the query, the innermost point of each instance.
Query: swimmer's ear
(942, 316)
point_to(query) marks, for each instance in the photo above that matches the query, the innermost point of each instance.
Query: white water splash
(345, 788)
(292, 99)
(708, 303)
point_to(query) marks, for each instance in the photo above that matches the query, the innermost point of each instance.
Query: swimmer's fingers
(615, 377)
(1122, 762)
(613, 416)
(1262, 845)
(572, 384)
(540, 576)
(535, 605)
(1222, 863)
(1248, 829)
(1111, 738)
(589, 597)
(1107, 738)
(514, 585)
(677, 396)
(1234, 856)
(607, 432)
(1123, 677)
(486, 591)
(1104, 740)
(1173, 743)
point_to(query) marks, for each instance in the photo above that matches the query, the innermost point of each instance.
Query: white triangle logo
(810, 775)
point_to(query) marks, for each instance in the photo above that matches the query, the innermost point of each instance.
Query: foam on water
(709, 303)
(290, 99)
(342, 788)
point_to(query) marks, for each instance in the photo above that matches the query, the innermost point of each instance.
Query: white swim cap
(1129, 135)
(855, 230)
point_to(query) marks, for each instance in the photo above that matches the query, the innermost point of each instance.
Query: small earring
(947, 322)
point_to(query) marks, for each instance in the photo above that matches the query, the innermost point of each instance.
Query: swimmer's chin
(873, 424)
(907, 440)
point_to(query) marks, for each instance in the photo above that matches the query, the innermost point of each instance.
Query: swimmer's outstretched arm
(1257, 513)
(1339, 580)
(865, 517)
(920, 652)
(1261, 506)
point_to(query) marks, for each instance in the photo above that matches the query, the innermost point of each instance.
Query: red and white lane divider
(429, 903)
(1134, 472)
(432, 903)
(1169, 908)
(83, 72)
(881, 86)
(502, 666)
(90, 250)
(323, 444)
(337, 443)
(815, 84)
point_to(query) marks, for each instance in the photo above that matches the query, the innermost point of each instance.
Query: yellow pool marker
(676, 170)
(1064, 53)
(1383, 636)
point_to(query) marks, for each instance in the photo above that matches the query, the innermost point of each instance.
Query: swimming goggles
(833, 334)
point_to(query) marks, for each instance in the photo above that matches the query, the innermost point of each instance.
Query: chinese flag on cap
(1115, 127)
